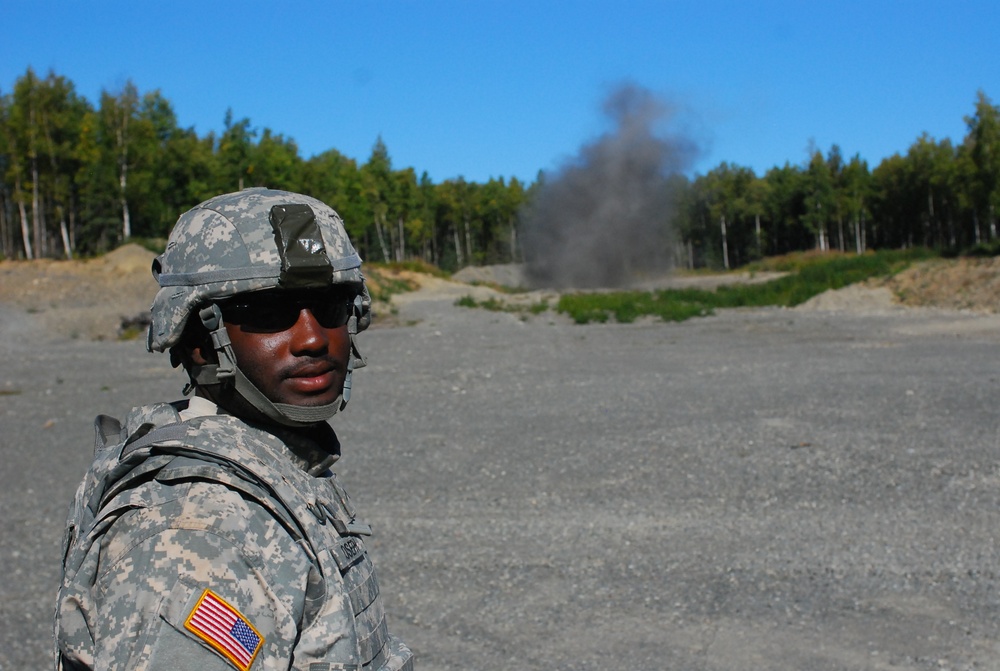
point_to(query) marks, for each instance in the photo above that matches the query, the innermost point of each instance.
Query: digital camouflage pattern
(231, 244)
(173, 507)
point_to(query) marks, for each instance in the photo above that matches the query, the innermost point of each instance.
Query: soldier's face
(293, 347)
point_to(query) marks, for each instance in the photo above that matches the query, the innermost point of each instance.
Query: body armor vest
(316, 511)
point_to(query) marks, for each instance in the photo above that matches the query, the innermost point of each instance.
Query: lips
(312, 378)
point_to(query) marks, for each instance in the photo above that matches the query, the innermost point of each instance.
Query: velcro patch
(224, 629)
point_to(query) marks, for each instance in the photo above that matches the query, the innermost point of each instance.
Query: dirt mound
(969, 284)
(960, 284)
(81, 299)
(854, 298)
(92, 298)
(128, 260)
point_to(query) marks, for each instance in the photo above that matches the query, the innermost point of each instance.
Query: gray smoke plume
(603, 219)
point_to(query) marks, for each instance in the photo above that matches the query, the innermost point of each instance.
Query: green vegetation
(412, 265)
(809, 275)
(80, 177)
(383, 282)
(496, 305)
(132, 333)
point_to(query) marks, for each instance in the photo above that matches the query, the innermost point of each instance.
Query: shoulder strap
(107, 432)
(244, 469)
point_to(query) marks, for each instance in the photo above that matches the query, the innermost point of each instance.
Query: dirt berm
(108, 297)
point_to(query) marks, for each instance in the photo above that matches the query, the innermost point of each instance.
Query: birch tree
(118, 112)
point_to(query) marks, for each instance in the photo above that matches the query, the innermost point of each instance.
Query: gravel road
(766, 489)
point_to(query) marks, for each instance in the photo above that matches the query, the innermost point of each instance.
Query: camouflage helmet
(252, 240)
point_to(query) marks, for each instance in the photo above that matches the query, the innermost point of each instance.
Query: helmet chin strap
(227, 372)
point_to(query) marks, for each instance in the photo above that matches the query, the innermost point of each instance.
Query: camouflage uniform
(212, 503)
(200, 541)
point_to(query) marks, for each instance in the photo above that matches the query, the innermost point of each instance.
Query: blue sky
(484, 89)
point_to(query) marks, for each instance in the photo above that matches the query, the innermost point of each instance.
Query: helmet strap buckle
(211, 317)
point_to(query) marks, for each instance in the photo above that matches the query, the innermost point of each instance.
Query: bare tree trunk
(25, 230)
(401, 252)
(122, 135)
(392, 239)
(513, 241)
(36, 223)
(468, 240)
(64, 232)
(126, 218)
(725, 242)
(381, 239)
(760, 252)
(458, 250)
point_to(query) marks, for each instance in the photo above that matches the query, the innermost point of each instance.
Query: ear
(197, 357)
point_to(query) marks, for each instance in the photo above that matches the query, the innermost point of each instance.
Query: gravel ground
(768, 489)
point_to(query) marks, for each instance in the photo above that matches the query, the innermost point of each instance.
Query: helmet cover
(250, 240)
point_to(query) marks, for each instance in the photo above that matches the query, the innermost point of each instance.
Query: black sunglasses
(279, 311)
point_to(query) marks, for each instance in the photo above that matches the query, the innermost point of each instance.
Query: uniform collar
(314, 449)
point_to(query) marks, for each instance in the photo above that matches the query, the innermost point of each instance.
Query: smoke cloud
(603, 219)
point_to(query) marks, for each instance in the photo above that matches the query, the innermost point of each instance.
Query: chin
(313, 400)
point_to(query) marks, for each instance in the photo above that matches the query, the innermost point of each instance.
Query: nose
(308, 335)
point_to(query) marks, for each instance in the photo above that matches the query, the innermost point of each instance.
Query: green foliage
(809, 275)
(627, 306)
(413, 265)
(498, 305)
(984, 249)
(383, 282)
(80, 177)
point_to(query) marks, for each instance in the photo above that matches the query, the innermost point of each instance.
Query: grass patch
(383, 284)
(413, 266)
(496, 305)
(500, 288)
(809, 275)
(627, 306)
(385, 280)
(132, 333)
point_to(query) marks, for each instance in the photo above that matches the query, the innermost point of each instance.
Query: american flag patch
(224, 629)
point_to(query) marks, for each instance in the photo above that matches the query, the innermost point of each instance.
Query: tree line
(937, 195)
(79, 179)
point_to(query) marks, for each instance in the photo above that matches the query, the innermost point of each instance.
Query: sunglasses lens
(272, 312)
(331, 315)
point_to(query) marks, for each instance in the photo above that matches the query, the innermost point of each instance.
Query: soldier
(210, 532)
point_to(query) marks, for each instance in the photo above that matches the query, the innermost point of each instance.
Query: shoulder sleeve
(208, 581)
